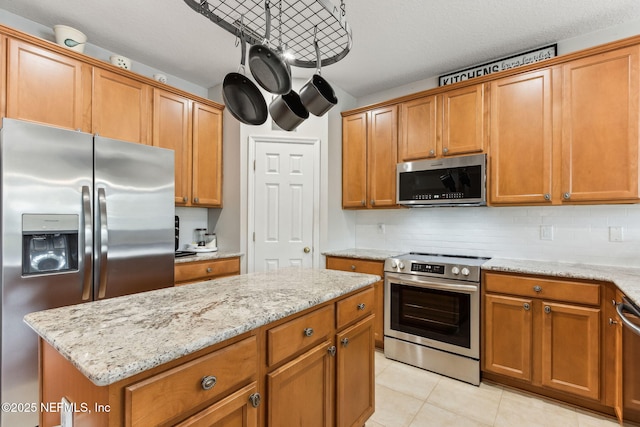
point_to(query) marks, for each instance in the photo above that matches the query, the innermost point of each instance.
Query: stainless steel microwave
(454, 181)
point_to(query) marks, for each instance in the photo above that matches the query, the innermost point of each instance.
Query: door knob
(307, 249)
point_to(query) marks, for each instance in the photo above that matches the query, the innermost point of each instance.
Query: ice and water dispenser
(49, 243)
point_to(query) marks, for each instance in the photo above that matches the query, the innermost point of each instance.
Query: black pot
(288, 111)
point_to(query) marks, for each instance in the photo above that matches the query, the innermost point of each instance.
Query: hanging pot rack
(299, 23)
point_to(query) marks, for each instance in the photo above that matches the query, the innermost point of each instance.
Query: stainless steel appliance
(83, 218)
(630, 315)
(432, 313)
(454, 181)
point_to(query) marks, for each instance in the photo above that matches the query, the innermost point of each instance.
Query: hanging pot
(288, 111)
(242, 97)
(266, 65)
(317, 95)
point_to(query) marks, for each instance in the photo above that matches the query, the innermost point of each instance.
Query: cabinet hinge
(254, 165)
(254, 236)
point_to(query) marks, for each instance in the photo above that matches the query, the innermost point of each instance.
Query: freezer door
(133, 218)
(46, 208)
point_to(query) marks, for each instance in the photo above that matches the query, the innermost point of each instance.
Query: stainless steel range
(432, 313)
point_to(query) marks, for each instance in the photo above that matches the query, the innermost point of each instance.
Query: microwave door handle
(620, 309)
(87, 242)
(103, 244)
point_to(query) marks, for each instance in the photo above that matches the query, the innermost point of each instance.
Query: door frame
(253, 141)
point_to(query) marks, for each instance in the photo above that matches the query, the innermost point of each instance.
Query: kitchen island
(182, 355)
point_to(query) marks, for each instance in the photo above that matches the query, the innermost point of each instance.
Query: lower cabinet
(237, 410)
(546, 334)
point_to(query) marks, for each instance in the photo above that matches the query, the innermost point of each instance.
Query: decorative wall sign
(502, 64)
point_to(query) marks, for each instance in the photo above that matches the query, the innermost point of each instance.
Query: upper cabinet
(369, 157)
(121, 107)
(46, 87)
(600, 127)
(207, 155)
(447, 124)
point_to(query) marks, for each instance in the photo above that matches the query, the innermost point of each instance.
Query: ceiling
(394, 42)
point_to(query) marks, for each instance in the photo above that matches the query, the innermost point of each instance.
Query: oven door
(442, 314)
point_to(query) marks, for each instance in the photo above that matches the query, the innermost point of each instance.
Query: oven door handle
(431, 283)
(620, 308)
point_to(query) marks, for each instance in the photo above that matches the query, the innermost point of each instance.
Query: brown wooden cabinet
(544, 332)
(121, 107)
(447, 124)
(369, 267)
(197, 271)
(369, 156)
(194, 131)
(47, 87)
(236, 410)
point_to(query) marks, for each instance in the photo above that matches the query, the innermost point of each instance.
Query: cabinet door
(382, 155)
(354, 161)
(417, 129)
(571, 349)
(521, 138)
(463, 121)
(300, 393)
(508, 332)
(207, 156)
(355, 385)
(46, 87)
(121, 107)
(600, 127)
(172, 130)
(233, 411)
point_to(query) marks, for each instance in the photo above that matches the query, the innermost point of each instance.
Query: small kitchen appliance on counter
(432, 313)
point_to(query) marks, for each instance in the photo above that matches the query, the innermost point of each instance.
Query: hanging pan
(287, 111)
(241, 96)
(266, 65)
(317, 95)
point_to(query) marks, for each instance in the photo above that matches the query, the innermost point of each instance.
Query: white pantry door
(284, 208)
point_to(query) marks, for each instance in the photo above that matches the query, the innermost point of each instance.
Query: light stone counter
(206, 256)
(625, 278)
(372, 254)
(113, 339)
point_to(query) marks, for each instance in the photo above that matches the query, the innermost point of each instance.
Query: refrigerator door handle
(87, 238)
(104, 242)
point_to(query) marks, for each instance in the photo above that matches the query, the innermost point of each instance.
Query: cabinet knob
(612, 322)
(209, 269)
(445, 150)
(373, 202)
(308, 332)
(353, 267)
(547, 309)
(208, 382)
(432, 152)
(566, 195)
(185, 199)
(254, 399)
(332, 350)
(537, 288)
(361, 306)
(526, 306)
(547, 196)
(362, 202)
(345, 342)
(196, 200)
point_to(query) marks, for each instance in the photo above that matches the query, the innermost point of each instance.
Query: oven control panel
(427, 268)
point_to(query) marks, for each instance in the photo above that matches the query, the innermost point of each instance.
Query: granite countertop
(113, 339)
(372, 254)
(205, 256)
(625, 278)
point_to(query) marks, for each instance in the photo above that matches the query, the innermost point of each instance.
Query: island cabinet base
(313, 368)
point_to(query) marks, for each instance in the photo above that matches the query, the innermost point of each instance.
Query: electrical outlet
(615, 234)
(546, 232)
(381, 228)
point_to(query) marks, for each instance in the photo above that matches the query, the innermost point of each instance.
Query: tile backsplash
(579, 233)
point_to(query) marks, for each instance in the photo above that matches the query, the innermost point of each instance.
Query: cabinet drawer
(561, 290)
(204, 270)
(298, 334)
(356, 265)
(355, 307)
(165, 396)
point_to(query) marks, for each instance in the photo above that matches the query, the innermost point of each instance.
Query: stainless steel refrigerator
(83, 218)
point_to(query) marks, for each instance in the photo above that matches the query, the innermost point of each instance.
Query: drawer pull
(361, 306)
(208, 382)
(527, 306)
(612, 322)
(209, 269)
(537, 288)
(345, 342)
(547, 309)
(353, 267)
(308, 332)
(254, 399)
(332, 350)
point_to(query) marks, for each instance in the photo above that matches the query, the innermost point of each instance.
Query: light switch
(615, 234)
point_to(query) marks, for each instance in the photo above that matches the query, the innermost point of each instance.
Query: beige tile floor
(410, 397)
